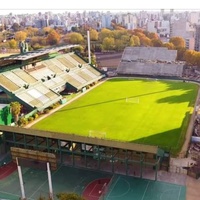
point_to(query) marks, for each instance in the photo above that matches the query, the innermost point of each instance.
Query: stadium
(129, 124)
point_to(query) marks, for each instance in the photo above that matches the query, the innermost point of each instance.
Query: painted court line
(9, 193)
(167, 191)
(113, 186)
(44, 183)
(179, 193)
(145, 190)
(90, 194)
(124, 194)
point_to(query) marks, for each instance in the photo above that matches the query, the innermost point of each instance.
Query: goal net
(97, 134)
(133, 100)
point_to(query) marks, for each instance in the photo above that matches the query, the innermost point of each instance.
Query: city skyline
(20, 7)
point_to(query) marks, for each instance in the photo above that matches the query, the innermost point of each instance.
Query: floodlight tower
(88, 38)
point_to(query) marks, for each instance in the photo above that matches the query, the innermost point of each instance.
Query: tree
(190, 57)
(69, 196)
(15, 110)
(119, 45)
(13, 44)
(181, 53)
(169, 45)
(53, 38)
(117, 34)
(108, 43)
(145, 41)
(94, 35)
(31, 32)
(125, 39)
(134, 41)
(46, 30)
(156, 43)
(78, 49)
(74, 38)
(152, 36)
(105, 33)
(197, 55)
(178, 42)
(20, 36)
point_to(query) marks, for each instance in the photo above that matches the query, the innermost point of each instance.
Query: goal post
(97, 134)
(135, 100)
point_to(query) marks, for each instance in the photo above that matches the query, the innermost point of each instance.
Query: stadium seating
(155, 61)
(52, 66)
(24, 76)
(38, 85)
(78, 59)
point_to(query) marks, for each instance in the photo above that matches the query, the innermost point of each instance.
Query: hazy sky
(31, 6)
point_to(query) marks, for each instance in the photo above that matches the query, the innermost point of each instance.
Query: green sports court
(68, 179)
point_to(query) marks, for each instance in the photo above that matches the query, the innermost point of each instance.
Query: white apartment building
(183, 28)
(194, 17)
(129, 21)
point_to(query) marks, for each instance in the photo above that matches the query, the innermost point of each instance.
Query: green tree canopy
(15, 109)
(94, 35)
(134, 41)
(13, 44)
(74, 38)
(105, 33)
(108, 43)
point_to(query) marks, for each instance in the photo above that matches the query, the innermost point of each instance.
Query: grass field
(134, 110)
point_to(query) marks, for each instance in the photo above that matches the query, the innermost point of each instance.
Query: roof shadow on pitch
(168, 140)
(110, 101)
(188, 93)
(186, 97)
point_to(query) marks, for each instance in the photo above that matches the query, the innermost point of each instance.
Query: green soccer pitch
(146, 111)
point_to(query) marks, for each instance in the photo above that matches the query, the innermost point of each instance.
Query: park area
(146, 111)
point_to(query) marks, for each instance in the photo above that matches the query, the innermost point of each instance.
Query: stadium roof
(33, 54)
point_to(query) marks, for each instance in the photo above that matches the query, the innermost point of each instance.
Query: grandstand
(35, 79)
(153, 61)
